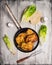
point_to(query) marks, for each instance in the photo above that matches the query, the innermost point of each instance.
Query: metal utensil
(20, 29)
(12, 16)
(33, 54)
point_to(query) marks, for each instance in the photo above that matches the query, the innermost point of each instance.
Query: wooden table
(17, 7)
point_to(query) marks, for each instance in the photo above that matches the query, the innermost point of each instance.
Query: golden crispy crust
(26, 40)
(31, 38)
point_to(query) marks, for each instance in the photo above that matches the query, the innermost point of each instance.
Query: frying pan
(20, 29)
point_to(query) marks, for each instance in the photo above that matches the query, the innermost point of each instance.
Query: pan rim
(18, 32)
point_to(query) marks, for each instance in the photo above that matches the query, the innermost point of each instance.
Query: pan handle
(12, 16)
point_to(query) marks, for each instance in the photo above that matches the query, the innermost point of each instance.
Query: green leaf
(29, 11)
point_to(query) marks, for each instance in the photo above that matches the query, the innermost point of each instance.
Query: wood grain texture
(17, 7)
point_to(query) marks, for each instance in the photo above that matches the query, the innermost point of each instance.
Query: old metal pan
(20, 29)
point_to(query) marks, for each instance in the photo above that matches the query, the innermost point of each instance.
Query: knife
(33, 54)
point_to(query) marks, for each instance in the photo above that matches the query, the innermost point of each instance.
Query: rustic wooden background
(5, 56)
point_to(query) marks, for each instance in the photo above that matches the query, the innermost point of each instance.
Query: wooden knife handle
(18, 61)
